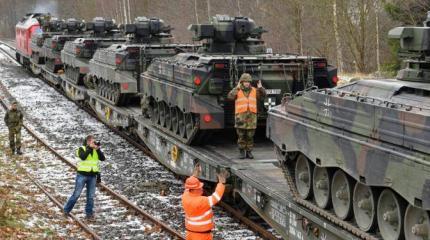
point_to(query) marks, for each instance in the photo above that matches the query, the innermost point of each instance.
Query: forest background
(352, 34)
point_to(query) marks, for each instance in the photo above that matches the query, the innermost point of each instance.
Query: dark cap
(14, 102)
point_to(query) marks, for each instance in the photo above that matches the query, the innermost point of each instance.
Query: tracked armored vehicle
(187, 93)
(77, 53)
(363, 150)
(49, 27)
(115, 71)
(52, 47)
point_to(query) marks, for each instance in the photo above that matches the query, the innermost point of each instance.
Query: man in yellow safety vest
(88, 167)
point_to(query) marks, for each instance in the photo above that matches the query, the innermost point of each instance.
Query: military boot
(18, 151)
(242, 154)
(249, 154)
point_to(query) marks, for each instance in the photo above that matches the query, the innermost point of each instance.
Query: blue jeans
(81, 181)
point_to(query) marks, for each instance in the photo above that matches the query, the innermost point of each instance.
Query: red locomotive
(24, 30)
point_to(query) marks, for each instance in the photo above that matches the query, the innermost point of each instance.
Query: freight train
(178, 97)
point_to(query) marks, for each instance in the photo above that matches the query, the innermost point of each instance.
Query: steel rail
(102, 186)
(139, 145)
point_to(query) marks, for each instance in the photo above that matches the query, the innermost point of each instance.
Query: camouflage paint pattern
(374, 141)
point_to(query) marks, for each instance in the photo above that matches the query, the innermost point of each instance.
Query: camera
(97, 143)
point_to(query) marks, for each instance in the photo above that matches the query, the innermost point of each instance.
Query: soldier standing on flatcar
(246, 98)
(14, 121)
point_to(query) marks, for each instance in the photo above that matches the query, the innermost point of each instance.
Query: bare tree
(339, 56)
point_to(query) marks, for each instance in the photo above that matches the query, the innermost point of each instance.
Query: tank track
(323, 213)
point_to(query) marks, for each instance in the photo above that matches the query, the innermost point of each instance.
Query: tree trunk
(208, 2)
(124, 6)
(196, 11)
(339, 57)
(378, 53)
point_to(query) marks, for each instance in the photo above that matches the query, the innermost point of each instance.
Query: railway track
(117, 217)
(256, 227)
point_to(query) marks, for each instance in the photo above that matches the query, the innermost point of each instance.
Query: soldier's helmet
(14, 102)
(246, 77)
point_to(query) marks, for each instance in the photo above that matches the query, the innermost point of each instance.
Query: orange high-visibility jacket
(198, 209)
(244, 104)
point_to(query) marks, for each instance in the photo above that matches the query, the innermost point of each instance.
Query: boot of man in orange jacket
(198, 208)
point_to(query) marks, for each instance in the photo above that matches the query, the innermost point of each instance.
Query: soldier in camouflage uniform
(14, 121)
(246, 98)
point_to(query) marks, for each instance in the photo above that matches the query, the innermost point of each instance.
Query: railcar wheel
(168, 117)
(341, 194)
(321, 187)
(174, 112)
(189, 124)
(364, 205)
(417, 224)
(390, 212)
(181, 120)
(303, 176)
(162, 112)
(155, 112)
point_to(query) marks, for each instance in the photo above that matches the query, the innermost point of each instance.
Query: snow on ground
(25, 211)
(61, 123)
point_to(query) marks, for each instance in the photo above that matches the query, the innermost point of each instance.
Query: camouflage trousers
(15, 138)
(245, 138)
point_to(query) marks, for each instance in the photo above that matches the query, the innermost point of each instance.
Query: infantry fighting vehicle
(115, 71)
(52, 47)
(187, 92)
(77, 53)
(363, 149)
(49, 27)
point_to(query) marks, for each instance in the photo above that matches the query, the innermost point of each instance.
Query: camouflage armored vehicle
(52, 47)
(77, 54)
(115, 71)
(50, 27)
(187, 92)
(363, 149)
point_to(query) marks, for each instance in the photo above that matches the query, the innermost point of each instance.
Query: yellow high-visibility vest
(90, 164)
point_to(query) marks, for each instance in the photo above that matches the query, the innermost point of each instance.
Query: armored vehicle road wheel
(155, 113)
(162, 112)
(116, 94)
(364, 205)
(181, 120)
(168, 117)
(189, 124)
(174, 112)
(417, 224)
(390, 211)
(303, 176)
(341, 194)
(321, 187)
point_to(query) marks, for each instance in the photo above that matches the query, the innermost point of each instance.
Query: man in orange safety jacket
(198, 208)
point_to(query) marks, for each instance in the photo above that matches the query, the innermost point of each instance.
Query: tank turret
(233, 35)
(51, 24)
(73, 26)
(148, 30)
(101, 27)
(414, 51)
